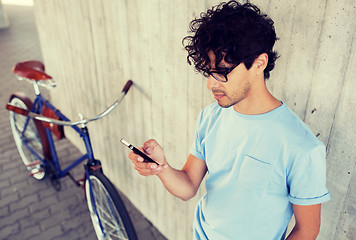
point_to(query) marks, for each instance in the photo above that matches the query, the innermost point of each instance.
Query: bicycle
(33, 125)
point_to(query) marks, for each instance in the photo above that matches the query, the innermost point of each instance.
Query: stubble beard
(234, 99)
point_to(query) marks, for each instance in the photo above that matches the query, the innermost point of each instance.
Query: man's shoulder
(296, 131)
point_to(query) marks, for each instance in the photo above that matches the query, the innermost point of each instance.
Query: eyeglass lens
(218, 77)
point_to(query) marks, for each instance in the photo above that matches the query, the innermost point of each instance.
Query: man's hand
(154, 151)
(181, 183)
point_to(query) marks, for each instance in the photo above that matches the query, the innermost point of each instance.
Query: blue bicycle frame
(82, 131)
(84, 134)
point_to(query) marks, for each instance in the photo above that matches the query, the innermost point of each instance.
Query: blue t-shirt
(258, 165)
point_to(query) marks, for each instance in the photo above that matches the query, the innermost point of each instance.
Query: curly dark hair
(234, 32)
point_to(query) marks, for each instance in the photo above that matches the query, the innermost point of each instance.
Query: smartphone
(138, 152)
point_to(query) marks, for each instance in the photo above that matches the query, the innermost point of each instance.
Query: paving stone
(27, 221)
(7, 191)
(9, 230)
(6, 200)
(24, 202)
(41, 215)
(18, 178)
(27, 233)
(43, 204)
(15, 216)
(48, 233)
(49, 193)
(5, 183)
(4, 211)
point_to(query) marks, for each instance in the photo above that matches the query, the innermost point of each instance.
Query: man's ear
(260, 63)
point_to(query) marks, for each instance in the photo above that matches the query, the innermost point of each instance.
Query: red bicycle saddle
(33, 70)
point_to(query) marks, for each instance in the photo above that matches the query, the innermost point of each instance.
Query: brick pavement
(31, 209)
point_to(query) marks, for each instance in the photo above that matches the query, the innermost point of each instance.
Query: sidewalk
(31, 209)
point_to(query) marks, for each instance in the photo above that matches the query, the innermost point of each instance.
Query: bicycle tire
(34, 136)
(115, 220)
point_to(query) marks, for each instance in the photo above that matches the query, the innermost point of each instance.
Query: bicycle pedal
(81, 181)
(33, 163)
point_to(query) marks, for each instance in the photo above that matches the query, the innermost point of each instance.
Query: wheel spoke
(30, 139)
(107, 212)
(106, 215)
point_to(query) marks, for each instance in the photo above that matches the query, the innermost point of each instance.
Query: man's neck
(258, 101)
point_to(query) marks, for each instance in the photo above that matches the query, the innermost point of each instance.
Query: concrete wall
(93, 47)
(4, 21)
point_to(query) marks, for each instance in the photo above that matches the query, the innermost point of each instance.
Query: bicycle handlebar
(69, 123)
(127, 86)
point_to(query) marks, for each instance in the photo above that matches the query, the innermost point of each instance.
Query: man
(263, 162)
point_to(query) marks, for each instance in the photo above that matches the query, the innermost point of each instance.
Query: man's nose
(212, 83)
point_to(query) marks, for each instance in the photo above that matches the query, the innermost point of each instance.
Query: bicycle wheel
(31, 137)
(114, 218)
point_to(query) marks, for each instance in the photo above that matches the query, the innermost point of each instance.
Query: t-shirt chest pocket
(254, 173)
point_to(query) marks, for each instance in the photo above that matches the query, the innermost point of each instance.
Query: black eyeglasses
(221, 76)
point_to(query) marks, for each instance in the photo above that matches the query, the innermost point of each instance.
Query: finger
(150, 169)
(146, 170)
(146, 165)
(149, 145)
(134, 157)
(142, 172)
(149, 173)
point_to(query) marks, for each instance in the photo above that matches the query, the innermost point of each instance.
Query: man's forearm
(178, 183)
(299, 234)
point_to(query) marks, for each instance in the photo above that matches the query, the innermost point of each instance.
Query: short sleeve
(196, 149)
(307, 178)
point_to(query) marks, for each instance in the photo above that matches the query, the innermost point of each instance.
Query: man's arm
(307, 222)
(181, 183)
(184, 183)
